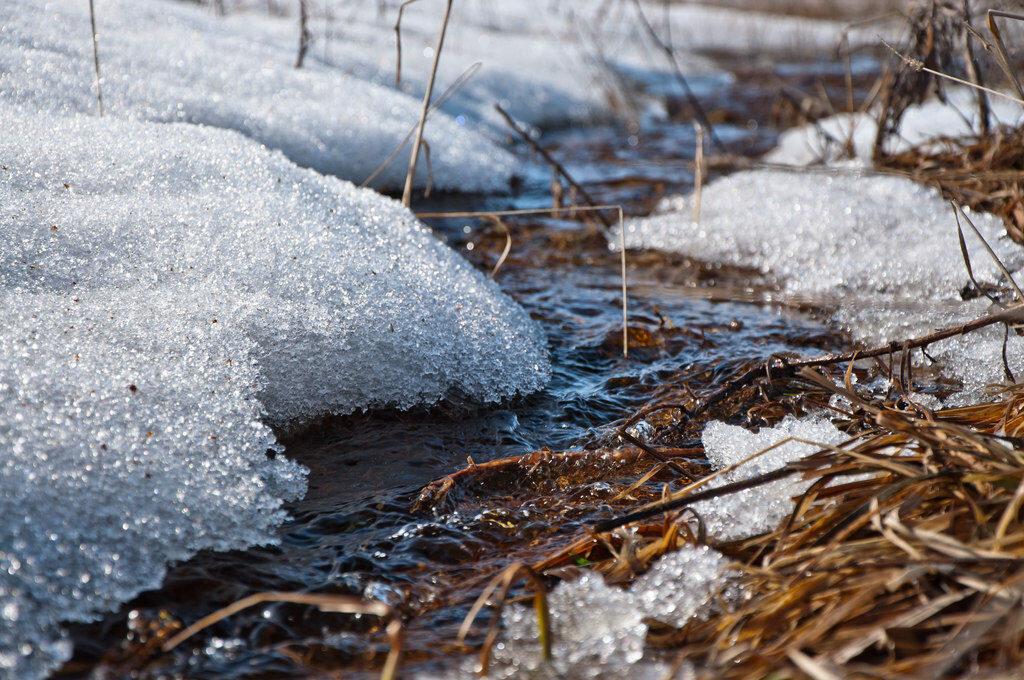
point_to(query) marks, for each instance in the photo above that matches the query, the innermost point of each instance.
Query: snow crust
(881, 253)
(762, 508)
(843, 233)
(166, 290)
(173, 62)
(599, 629)
(956, 117)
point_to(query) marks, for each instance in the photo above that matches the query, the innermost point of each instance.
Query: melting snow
(598, 629)
(761, 508)
(167, 61)
(166, 289)
(826, 140)
(882, 252)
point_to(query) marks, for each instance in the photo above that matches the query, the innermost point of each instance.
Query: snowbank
(881, 252)
(825, 141)
(167, 289)
(837, 232)
(548, 63)
(599, 629)
(169, 61)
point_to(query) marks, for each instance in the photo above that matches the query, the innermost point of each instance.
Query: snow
(761, 508)
(957, 117)
(169, 290)
(599, 630)
(880, 253)
(839, 232)
(234, 74)
(548, 63)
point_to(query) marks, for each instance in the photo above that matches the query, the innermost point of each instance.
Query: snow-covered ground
(826, 141)
(881, 252)
(168, 289)
(174, 62)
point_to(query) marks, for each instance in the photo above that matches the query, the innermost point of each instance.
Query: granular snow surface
(881, 252)
(172, 62)
(166, 291)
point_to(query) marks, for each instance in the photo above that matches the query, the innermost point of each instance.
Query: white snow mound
(167, 289)
(881, 252)
(169, 61)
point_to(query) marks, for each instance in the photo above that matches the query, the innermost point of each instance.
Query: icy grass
(599, 629)
(172, 62)
(168, 289)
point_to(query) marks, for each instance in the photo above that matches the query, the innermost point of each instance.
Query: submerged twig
(342, 604)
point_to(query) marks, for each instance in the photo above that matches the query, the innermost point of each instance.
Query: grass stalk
(428, 93)
(96, 57)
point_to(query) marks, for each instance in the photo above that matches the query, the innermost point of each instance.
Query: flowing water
(354, 531)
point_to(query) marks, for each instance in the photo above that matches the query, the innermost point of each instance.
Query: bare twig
(918, 65)
(398, 41)
(96, 56)
(342, 604)
(698, 172)
(410, 176)
(304, 34)
(670, 54)
(1001, 57)
(445, 96)
(558, 167)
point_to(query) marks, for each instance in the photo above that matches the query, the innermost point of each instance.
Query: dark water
(354, 532)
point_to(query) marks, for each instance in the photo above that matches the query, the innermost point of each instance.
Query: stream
(354, 532)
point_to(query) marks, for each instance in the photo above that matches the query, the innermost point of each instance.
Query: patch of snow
(171, 62)
(837, 232)
(761, 508)
(598, 629)
(826, 141)
(881, 253)
(167, 290)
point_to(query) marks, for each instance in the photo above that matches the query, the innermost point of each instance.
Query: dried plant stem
(670, 54)
(502, 583)
(410, 176)
(341, 604)
(1001, 57)
(918, 65)
(548, 211)
(498, 222)
(546, 155)
(698, 172)
(398, 41)
(304, 34)
(96, 56)
(452, 89)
